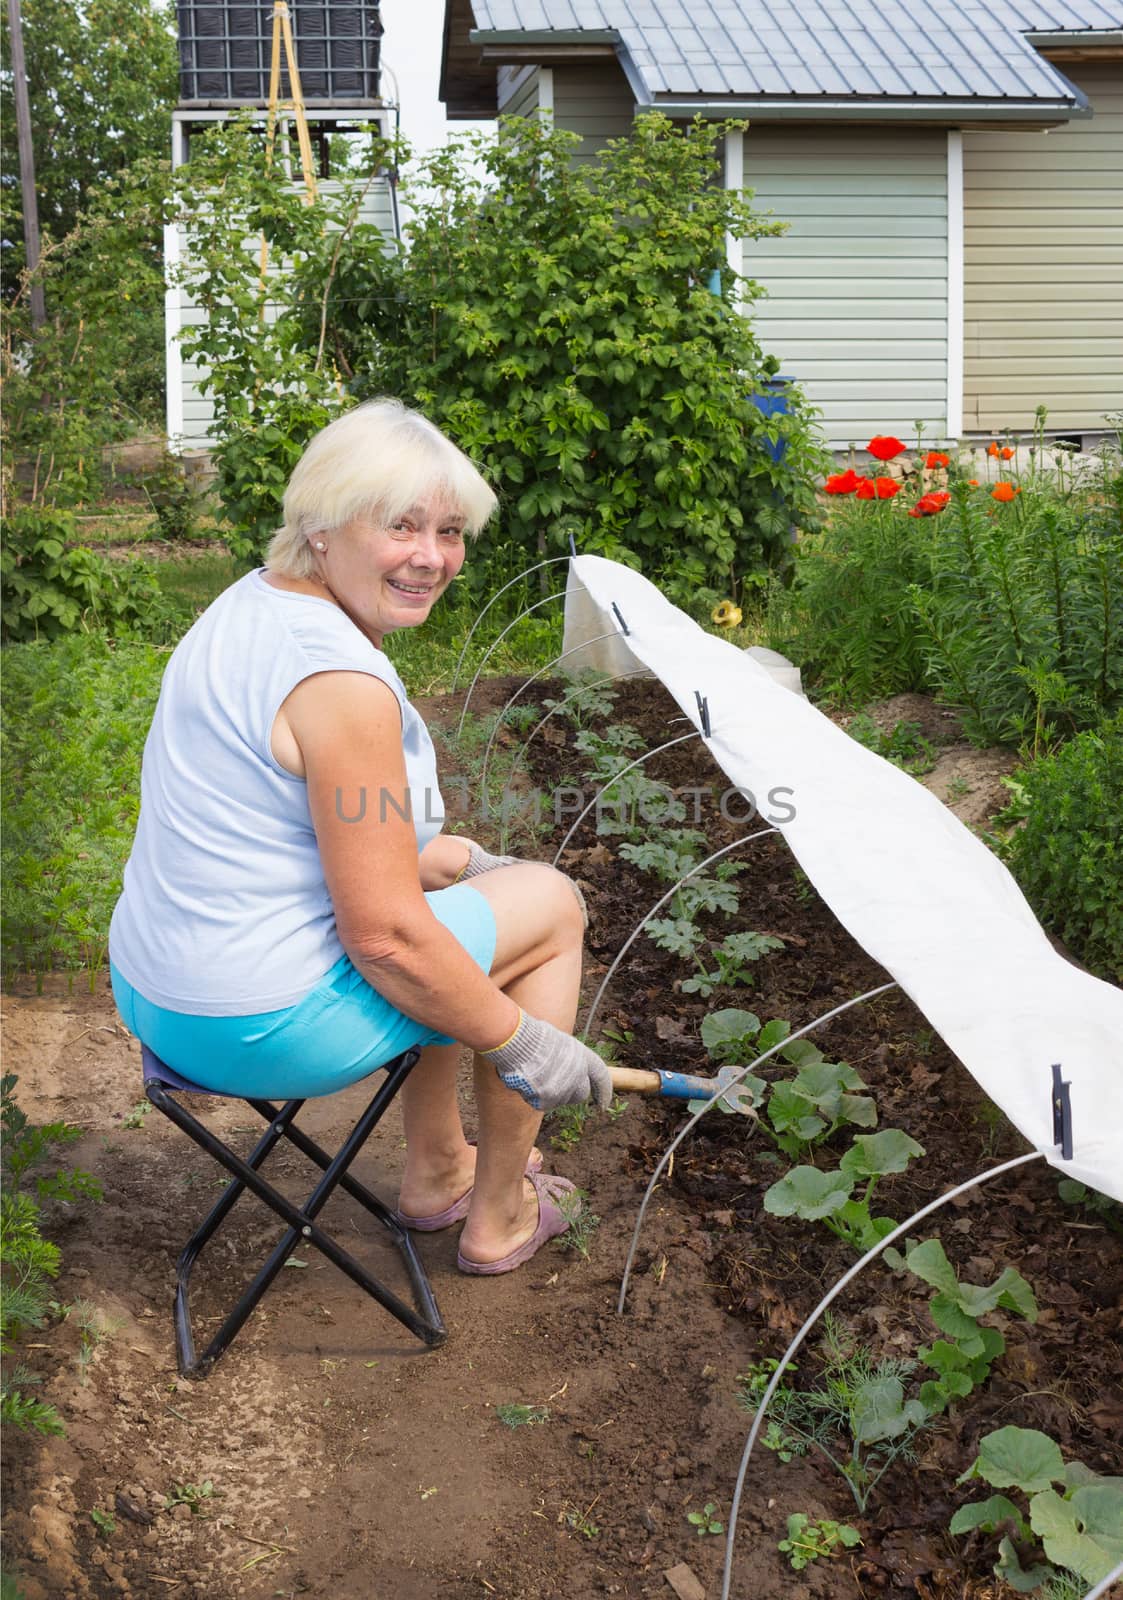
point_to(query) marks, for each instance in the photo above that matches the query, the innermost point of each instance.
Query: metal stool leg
(424, 1321)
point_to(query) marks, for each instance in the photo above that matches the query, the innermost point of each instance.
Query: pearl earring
(320, 545)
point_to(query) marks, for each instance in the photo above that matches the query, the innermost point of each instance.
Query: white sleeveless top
(225, 911)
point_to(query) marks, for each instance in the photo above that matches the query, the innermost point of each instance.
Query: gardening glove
(480, 861)
(550, 1068)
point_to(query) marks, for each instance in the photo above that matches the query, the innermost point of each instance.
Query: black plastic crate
(225, 48)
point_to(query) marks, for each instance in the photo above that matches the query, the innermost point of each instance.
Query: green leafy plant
(580, 1521)
(49, 587)
(732, 959)
(808, 1539)
(590, 700)
(514, 1414)
(582, 1222)
(1109, 1211)
(27, 1259)
(858, 1417)
(567, 1124)
(829, 1197)
(104, 1521)
(1066, 852)
(171, 497)
(74, 719)
(903, 744)
(801, 1112)
(1080, 1526)
(189, 1494)
(706, 1520)
(962, 1359)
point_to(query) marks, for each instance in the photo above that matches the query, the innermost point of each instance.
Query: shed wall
(1043, 267)
(198, 408)
(518, 91)
(595, 101)
(856, 304)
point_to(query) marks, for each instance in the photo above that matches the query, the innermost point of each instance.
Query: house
(952, 175)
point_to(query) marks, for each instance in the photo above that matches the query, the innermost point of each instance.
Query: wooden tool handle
(635, 1080)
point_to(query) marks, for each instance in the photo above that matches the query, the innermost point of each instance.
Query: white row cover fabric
(904, 876)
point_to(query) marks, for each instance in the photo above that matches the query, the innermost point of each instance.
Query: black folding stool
(423, 1319)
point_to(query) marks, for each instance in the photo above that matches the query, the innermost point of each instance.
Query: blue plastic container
(772, 399)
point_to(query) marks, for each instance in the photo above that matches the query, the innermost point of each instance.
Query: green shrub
(849, 618)
(50, 588)
(1067, 854)
(27, 1260)
(171, 498)
(553, 315)
(1010, 610)
(75, 715)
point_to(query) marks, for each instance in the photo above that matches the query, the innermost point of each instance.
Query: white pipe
(955, 311)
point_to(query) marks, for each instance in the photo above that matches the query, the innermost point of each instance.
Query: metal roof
(917, 53)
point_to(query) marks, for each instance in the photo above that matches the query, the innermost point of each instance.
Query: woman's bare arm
(348, 728)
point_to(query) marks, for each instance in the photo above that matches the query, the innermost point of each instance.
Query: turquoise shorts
(341, 1031)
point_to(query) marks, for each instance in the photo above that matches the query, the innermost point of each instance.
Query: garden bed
(344, 1461)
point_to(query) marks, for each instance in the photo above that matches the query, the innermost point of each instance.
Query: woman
(292, 916)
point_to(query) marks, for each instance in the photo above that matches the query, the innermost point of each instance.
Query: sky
(411, 48)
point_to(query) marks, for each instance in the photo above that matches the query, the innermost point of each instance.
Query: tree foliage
(554, 316)
(101, 79)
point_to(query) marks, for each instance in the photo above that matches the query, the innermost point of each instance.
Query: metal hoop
(738, 1077)
(549, 562)
(682, 738)
(488, 652)
(658, 906)
(570, 694)
(824, 1303)
(525, 685)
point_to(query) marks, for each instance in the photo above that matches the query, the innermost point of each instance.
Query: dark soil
(348, 1462)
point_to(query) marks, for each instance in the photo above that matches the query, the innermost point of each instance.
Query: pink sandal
(458, 1210)
(551, 1222)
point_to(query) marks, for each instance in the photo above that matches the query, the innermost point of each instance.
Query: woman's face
(389, 578)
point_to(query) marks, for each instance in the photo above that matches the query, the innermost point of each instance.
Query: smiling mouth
(417, 589)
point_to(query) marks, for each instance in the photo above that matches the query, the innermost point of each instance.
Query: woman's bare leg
(440, 1163)
(538, 963)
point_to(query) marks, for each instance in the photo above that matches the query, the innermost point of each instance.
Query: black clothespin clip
(624, 629)
(1062, 1113)
(703, 711)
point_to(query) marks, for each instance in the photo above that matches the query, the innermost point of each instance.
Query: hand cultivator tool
(686, 1086)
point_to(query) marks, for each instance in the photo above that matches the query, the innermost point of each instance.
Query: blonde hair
(379, 460)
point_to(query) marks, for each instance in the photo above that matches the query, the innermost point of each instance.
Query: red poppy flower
(929, 504)
(1006, 453)
(972, 483)
(883, 447)
(936, 458)
(865, 489)
(887, 488)
(842, 482)
(992, 448)
(1004, 492)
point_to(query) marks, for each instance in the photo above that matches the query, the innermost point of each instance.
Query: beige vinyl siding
(856, 304)
(198, 408)
(1043, 267)
(518, 91)
(595, 101)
